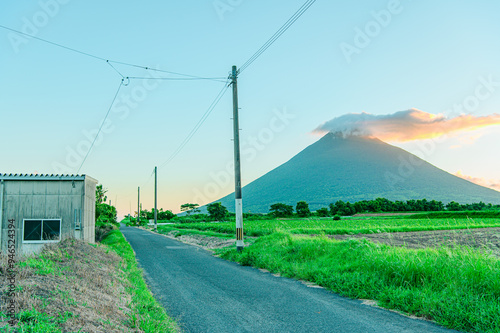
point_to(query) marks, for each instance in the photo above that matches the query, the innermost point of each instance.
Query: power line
(115, 69)
(219, 79)
(278, 34)
(104, 59)
(198, 124)
(100, 128)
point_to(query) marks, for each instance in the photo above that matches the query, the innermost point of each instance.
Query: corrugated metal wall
(49, 199)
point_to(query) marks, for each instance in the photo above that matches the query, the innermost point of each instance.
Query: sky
(421, 61)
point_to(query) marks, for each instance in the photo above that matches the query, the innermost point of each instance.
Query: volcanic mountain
(355, 168)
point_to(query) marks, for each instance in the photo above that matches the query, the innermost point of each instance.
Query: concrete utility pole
(138, 204)
(156, 197)
(237, 166)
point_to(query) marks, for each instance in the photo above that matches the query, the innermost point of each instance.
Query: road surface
(208, 294)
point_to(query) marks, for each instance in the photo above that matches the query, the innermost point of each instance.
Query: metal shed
(44, 209)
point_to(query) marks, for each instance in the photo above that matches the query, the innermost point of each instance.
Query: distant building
(44, 209)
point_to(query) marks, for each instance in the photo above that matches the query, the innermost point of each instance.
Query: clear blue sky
(425, 54)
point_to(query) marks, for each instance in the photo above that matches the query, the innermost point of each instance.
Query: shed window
(42, 230)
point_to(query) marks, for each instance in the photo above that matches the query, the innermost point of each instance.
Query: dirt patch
(205, 242)
(74, 280)
(484, 238)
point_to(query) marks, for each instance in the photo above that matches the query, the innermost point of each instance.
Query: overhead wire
(123, 77)
(109, 61)
(198, 124)
(277, 34)
(100, 127)
(214, 103)
(175, 78)
(254, 57)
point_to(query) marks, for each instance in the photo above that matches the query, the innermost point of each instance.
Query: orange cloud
(493, 184)
(406, 125)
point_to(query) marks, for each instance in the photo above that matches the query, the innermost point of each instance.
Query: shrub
(336, 218)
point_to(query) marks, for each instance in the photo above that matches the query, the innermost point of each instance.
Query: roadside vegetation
(146, 313)
(74, 286)
(457, 288)
(456, 285)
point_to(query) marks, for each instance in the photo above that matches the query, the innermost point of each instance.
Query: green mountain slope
(352, 169)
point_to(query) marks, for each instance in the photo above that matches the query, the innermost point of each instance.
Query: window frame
(41, 234)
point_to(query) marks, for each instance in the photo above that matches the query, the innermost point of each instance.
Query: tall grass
(146, 314)
(344, 226)
(459, 289)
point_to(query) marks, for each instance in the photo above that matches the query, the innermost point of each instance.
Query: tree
(165, 215)
(100, 196)
(217, 211)
(189, 208)
(105, 213)
(281, 210)
(453, 206)
(302, 209)
(323, 212)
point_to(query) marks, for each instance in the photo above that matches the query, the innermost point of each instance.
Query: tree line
(378, 205)
(217, 212)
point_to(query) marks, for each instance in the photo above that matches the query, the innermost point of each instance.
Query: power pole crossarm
(237, 165)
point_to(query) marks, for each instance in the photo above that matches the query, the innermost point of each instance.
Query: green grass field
(344, 226)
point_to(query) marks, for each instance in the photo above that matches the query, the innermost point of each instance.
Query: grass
(70, 286)
(146, 314)
(459, 288)
(460, 214)
(73, 286)
(344, 226)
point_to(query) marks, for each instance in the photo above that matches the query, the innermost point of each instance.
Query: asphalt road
(208, 294)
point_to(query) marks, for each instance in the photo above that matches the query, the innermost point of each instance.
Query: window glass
(51, 229)
(32, 230)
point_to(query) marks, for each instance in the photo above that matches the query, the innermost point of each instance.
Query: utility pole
(156, 197)
(138, 204)
(237, 166)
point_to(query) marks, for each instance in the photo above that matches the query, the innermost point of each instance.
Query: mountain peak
(353, 168)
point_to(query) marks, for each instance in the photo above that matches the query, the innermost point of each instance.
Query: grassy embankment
(73, 286)
(458, 288)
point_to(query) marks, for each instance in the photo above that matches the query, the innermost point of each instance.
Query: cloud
(493, 184)
(406, 125)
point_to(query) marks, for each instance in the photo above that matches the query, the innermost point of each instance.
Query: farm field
(345, 226)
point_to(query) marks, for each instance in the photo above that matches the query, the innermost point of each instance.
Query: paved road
(208, 294)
